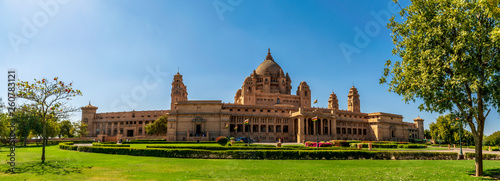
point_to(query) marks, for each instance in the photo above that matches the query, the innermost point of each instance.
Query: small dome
(270, 65)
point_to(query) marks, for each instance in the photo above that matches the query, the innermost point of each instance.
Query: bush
(165, 142)
(472, 156)
(222, 140)
(343, 143)
(321, 144)
(273, 154)
(67, 146)
(147, 140)
(412, 146)
(109, 145)
(107, 142)
(374, 145)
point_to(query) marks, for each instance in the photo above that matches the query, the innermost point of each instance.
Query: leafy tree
(4, 122)
(49, 98)
(493, 139)
(449, 60)
(80, 129)
(26, 121)
(67, 129)
(158, 127)
(446, 127)
(427, 134)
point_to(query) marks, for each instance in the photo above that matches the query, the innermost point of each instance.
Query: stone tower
(305, 94)
(420, 125)
(179, 91)
(88, 117)
(353, 100)
(333, 102)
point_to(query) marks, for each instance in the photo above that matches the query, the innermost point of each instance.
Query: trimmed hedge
(145, 140)
(246, 148)
(374, 145)
(412, 146)
(109, 145)
(472, 156)
(107, 142)
(344, 143)
(76, 141)
(67, 146)
(165, 142)
(273, 154)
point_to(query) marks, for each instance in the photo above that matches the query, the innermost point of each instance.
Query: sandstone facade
(264, 99)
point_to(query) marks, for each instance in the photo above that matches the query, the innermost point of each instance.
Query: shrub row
(374, 145)
(75, 141)
(321, 144)
(344, 143)
(472, 156)
(67, 146)
(109, 145)
(412, 146)
(164, 142)
(146, 140)
(273, 154)
(107, 142)
(247, 148)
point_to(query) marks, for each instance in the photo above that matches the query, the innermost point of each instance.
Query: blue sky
(113, 50)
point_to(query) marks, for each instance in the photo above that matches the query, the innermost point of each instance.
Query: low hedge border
(165, 142)
(67, 146)
(109, 145)
(273, 154)
(472, 156)
(217, 147)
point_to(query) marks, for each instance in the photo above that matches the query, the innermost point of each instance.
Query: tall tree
(446, 127)
(66, 129)
(493, 139)
(80, 129)
(49, 98)
(449, 60)
(27, 120)
(158, 127)
(4, 121)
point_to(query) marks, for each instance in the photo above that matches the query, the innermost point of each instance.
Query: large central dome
(270, 65)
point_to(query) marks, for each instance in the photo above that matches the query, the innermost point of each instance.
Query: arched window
(278, 100)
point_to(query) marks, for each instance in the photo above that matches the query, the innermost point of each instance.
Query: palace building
(266, 100)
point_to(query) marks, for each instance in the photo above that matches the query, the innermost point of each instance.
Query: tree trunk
(479, 155)
(43, 144)
(25, 138)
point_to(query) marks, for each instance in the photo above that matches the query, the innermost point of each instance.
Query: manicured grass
(72, 165)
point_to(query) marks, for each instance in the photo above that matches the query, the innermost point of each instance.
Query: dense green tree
(427, 134)
(446, 127)
(158, 127)
(80, 129)
(49, 98)
(4, 122)
(27, 120)
(67, 129)
(449, 59)
(493, 139)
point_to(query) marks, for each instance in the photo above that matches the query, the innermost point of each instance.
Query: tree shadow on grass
(489, 174)
(57, 167)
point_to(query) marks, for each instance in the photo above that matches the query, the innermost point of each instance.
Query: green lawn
(65, 165)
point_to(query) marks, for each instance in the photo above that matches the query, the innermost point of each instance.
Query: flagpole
(317, 125)
(249, 127)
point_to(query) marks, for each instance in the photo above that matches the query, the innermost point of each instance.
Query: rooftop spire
(269, 57)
